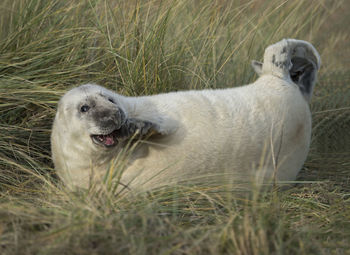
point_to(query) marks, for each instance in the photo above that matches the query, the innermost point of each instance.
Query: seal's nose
(121, 117)
(118, 117)
(109, 118)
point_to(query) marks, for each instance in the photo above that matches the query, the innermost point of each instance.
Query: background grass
(146, 47)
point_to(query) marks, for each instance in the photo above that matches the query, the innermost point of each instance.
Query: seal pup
(259, 131)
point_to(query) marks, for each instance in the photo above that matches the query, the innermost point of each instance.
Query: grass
(146, 47)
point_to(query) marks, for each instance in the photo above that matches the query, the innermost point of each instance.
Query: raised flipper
(294, 60)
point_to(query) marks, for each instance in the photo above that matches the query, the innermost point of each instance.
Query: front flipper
(135, 128)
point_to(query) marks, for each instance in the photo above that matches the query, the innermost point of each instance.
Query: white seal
(256, 132)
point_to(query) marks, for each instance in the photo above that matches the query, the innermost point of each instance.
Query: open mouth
(108, 140)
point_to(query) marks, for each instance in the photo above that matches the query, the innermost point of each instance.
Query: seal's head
(92, 125)
(94, 112)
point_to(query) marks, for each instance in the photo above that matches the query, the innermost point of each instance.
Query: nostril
(121, 115)
(84, 108)
(117, 116)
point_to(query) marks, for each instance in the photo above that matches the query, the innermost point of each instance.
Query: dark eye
(84, 108)
(111, 100)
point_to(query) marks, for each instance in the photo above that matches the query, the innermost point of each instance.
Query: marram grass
(147, 47)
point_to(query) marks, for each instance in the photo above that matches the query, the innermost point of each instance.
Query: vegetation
(145, 47)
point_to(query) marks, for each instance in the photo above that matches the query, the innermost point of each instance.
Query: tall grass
(146, 47)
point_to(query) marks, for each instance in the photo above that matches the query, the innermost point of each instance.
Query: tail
(294, 60)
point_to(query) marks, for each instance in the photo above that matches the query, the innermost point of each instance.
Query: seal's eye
(111, 100)
(84, 108)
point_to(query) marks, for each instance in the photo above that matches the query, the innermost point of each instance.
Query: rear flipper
(292, 59)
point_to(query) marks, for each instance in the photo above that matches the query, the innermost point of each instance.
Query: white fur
(236, 134)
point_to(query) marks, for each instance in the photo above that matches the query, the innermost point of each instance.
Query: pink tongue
(109, 140)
